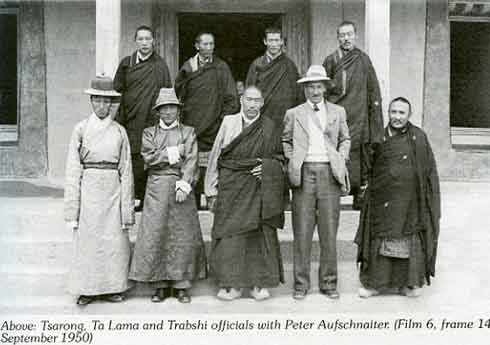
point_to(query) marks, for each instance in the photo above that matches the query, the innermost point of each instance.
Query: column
(108, 36)
(378, 45)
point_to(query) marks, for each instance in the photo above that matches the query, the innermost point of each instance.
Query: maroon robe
(402, 201)
(355, 87)
(246, 249)
(208, 94)
(277, 80)
(139, 84)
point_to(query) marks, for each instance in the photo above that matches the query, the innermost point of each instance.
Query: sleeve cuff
(173, 154)
(183, 186)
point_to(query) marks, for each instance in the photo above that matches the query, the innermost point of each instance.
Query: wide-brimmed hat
(166, 96)
(102, 86)
(314, 73)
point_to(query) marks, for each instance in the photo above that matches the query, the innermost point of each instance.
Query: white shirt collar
(270, 57)
(319, 105)
(247, 121)
(141, 58)
(172, 125)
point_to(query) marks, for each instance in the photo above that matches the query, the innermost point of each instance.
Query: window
(8, 75)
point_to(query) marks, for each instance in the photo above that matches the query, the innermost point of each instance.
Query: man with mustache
(355, 87)
(399, 225)
(208, 91)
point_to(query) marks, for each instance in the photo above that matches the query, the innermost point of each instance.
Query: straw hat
(102, 86)
(314, 73)
(166, 96)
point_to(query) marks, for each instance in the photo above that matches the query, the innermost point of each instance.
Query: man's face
(314, 91)
(347, 37)
(274, 43)
(168, 113)
(104, 106)
(399, 114)
(205, 46)
(252, 101)
(144, 42)
(240, 87)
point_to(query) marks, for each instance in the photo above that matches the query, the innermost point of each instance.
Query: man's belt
(101, 165)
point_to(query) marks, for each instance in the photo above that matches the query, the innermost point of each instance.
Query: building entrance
(238, 37)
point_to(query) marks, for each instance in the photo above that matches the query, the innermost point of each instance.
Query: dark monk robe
(277, 81)
(208, 94)
(139, 83)
(245, 250)
(399, 225)
(355, 87)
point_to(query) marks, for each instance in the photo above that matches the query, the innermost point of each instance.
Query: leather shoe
(161, 294)
(330, 293)
(183, 296)
(84, 300)
(299, 294)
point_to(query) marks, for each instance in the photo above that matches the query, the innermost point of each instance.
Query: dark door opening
(238, 37)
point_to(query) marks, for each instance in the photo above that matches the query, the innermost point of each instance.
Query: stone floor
(33, 245)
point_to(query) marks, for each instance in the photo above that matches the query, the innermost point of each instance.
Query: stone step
(440, 296)
(41, 219)
(25, 294)
(50, 278)
(57, 254)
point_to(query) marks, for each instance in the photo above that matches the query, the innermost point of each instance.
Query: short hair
(403, 100)
(347, 23)
(202, 33)
(143, 28)
(272, 30)
(253, 87)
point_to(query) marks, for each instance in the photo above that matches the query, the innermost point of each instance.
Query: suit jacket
(295, 141)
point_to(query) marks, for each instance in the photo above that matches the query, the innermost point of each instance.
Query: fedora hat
(102, 86)
(314, 73)
(166, 96)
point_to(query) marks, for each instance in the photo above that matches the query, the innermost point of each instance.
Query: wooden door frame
(295, 26)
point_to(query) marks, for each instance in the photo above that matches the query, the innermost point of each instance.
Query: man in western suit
(316, 142)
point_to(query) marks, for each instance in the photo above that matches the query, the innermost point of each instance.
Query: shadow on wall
(21, 189)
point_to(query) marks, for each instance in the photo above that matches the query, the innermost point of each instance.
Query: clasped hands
(257, 171)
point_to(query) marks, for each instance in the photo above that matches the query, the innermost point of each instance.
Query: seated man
(245, 186)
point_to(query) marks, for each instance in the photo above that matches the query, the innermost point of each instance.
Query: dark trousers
(316, 202)
(140, 176)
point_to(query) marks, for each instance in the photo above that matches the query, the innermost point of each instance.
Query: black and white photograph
(237, 171)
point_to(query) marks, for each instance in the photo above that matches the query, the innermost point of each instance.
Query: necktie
(315, 107)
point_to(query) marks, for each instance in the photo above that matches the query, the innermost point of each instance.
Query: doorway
(238, 37)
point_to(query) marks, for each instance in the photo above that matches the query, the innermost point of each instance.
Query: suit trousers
(316, 203)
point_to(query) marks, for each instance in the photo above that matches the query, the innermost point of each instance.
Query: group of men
(321, 136)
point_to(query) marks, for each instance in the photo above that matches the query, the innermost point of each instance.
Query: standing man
(316, 142)
(356, 89)
(245, 186)
(399, 225)
(276, 75)
(139, 78)
(206, 87)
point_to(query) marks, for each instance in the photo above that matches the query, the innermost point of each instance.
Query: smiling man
(139, 78)
(245, 186)
(276, 75)
(399, 225)
(356, 88)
